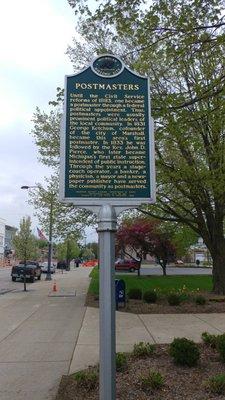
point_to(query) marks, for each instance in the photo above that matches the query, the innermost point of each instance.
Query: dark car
(127, 265)
(62, 265)
(31, 270)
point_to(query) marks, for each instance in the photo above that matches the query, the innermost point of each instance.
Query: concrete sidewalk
(132, 328)
(44, 335)
(38, 334)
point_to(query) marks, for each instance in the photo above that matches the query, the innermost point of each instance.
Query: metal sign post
(107, 166)
(106, 230)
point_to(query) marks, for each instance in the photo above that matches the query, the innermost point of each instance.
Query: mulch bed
(181, 383)
(214, 304)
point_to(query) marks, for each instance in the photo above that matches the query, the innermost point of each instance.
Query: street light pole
(48, 275)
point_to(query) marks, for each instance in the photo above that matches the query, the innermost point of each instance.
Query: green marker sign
(107, 147)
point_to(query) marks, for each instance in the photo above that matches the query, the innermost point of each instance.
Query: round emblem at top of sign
(107, 66)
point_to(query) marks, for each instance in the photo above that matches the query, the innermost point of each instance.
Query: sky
(34, 38)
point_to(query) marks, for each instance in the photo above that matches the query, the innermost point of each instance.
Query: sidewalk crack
(147, 328)
(208, 323)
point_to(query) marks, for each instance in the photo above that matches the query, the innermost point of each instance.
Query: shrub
(154, 380)
(200, 300)
(184, 352)
(174, 299)
(142, 349)
(86, 379)
(121, 362)
(135, 294)
(216, 384)
(150, 296)
(220, 345)
(210, 340)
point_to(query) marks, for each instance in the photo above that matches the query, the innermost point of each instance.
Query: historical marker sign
(107, 146)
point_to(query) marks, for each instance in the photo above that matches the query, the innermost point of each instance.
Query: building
(2, 238)
(9, 234)
(200, 252)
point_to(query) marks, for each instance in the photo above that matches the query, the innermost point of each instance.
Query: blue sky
(34, 37)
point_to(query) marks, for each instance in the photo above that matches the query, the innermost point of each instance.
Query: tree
(25, 242)
(68, 250)
(141, 236)
(65, 218)
(183, 238)
(87, 253)
(179, 44)
(93, 246)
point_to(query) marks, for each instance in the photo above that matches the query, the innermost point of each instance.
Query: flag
(41, 234)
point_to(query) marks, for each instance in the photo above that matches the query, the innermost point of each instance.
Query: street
(6, 283)
(157, 270)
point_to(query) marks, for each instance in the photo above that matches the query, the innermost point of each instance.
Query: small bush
(86, 379)
(121, 362)
(174, 299)
(150, 296)
(184, 352)
(154, 380)
(216, 384)
(184, 297)
(135, 294)
(200, 300)
(210, 340)
(220, 345)
(142, 349)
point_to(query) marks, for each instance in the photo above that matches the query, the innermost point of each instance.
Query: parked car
(62, 265)
(127, 265)
(32, 270)
(44, 267)
(179, 262)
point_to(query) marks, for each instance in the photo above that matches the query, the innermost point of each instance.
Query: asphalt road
(6, 283)
(157, 270)
(5, 280)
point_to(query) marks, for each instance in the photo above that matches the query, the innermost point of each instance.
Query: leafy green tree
(68, 250)
(42, 244)
(65, 218)
(87, 253)
(183, 238)
(24, 241)
(94, 248)
(180, 45)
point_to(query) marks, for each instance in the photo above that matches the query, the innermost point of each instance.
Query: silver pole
(106, 230)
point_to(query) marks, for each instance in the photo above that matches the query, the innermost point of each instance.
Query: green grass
(163, 283)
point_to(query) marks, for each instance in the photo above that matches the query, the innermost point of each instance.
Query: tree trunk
(164, 269)
(218, 257)
(162, 264)
(215, 242)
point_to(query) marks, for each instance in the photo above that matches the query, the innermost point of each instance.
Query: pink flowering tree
(141, 236)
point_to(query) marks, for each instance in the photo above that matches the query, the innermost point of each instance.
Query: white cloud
(35, 34)
(34, 37)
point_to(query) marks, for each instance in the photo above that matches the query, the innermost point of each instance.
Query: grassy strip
(164, 284)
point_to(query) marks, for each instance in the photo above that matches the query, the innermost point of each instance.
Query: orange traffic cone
(54, 287)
